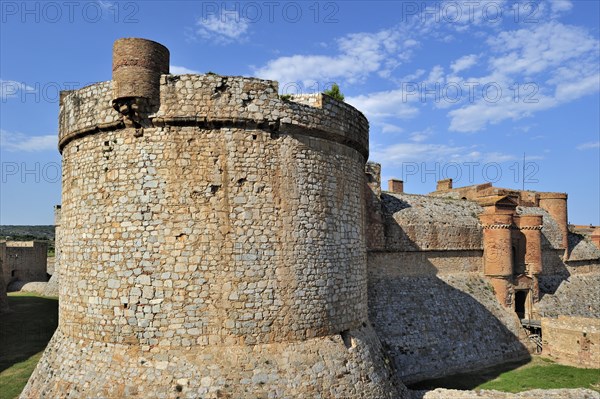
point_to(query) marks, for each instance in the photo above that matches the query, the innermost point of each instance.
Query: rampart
(572, 340)
(428, 299)
(3, 297)
(212, 243)
(24, 261)
(450, 276)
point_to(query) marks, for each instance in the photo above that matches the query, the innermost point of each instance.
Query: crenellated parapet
(218, 101)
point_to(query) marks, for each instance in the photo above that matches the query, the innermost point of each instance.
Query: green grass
(536, 373)
(24, 333)
(14, 379)
(544, 373)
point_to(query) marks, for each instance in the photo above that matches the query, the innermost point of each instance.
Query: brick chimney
(443, 185)
(396, 186)
(596, 236)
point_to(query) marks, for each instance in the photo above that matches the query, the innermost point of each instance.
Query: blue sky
(458, 89)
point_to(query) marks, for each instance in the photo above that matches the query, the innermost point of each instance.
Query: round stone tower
(556, 205)
(213, 242)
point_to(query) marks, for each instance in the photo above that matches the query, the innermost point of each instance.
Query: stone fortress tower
(212, 241)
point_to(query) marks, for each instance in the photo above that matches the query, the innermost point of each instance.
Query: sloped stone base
(351, 364)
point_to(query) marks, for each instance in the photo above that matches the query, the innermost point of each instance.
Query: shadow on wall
(432, 324)
(555, 271)
(27, 328)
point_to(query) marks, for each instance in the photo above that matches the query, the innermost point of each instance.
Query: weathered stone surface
(320, 367)
(570, 295)
(418, 222)
(436, 325)
(572, 340)
(3, 296)
(24, 261)
(219, 241)
(581, 248)
(489, 394)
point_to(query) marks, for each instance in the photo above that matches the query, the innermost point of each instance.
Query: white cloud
(20, 142)
(476, 116)
(530, 51)
(390, 128)
(385, 104)
(463, 63)
(396, 154)
(547, 67)
(436, 75)
(358, 56)
(558, 6)
(588, 146)
(180, 70)
(11, 89)
(410, 152)
(225, 28)
(421, 135)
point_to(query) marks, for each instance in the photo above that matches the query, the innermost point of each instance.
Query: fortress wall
(276, 370)
(429, 263)
(551, 232)
(213, 100)
(3, 297)
(198, 234)
(417, 222)
(570, 295)
(573, 341)
(433, 326)
(213, 247)
(24, 260)
(428, 300)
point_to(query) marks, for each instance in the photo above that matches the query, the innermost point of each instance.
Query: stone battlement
(214, 100)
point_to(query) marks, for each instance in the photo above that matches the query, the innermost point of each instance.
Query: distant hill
(25, 233)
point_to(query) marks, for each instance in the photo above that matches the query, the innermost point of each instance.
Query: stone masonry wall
(24, 260)
(570, 295)
(572, 340)
(3, 297)
(417, 222)
(433, 326)
(218, 252)
(210, 212)
(428, 300)
(429, 263)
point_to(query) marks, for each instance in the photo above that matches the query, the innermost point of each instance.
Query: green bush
(335, 92)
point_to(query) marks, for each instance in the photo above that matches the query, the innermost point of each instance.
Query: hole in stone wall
(241, 181)
(254, 137)
(214, 188)
(346, 338)
(178, 388)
